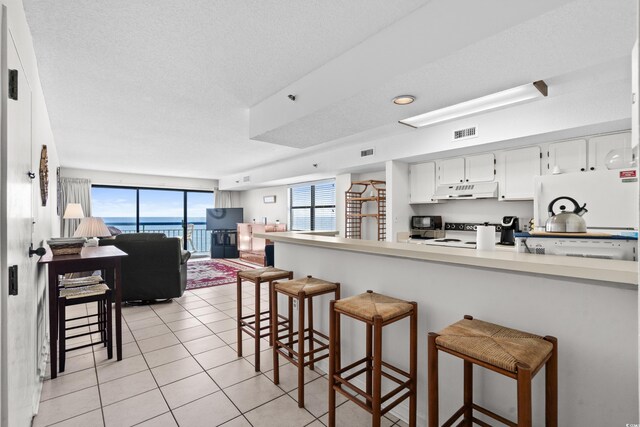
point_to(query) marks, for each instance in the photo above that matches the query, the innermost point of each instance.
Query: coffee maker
(510, 224)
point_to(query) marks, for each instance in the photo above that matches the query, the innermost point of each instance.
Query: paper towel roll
(486, 238)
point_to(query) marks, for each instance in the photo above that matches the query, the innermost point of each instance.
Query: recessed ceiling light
(404, 99)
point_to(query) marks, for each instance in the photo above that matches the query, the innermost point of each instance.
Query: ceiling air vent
(366, 153)
(467, 133)
(246, 178)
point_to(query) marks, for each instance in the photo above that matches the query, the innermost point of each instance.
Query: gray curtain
(74, 190)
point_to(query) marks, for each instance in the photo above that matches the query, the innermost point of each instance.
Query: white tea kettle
(566, 221)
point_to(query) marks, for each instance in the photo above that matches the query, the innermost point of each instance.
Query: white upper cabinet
(422, 182)
(451, 171)
(568, 156)
(520, 166)
(600, 146)
(480, 168)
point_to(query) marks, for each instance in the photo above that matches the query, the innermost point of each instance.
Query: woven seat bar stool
(258, 324)
(290, 344)
(376, 311)
(515, 354)
(99, 293)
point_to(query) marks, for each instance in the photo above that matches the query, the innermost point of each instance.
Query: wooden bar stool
(376, 311)
(285, 345)
(252, 324)
(99, 293)
(515, 354)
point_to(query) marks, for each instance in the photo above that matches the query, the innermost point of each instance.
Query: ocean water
(171, 226)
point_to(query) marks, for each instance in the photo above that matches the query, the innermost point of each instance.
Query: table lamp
(73, 211)
(92, 227)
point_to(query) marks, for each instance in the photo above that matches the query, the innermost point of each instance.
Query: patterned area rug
(213, 272)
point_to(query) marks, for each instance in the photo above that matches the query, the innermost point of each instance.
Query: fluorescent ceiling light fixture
(404, 99)
(494, 101)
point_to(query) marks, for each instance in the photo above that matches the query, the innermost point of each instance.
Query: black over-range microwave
(428, 222)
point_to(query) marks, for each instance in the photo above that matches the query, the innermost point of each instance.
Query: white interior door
(19, 318)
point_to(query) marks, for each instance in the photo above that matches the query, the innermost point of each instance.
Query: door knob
(39, 251)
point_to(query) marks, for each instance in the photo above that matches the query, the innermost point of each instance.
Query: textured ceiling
(167, 87)
(164, 87)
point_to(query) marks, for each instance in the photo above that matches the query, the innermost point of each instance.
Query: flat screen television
(224, 218)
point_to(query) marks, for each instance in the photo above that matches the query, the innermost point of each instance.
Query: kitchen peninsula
(590, 305)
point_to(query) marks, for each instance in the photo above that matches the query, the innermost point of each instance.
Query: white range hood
(478, 190)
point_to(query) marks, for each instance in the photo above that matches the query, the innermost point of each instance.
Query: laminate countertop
(609, 272)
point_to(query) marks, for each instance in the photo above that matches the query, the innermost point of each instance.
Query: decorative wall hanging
(44, 176)
(269, 199)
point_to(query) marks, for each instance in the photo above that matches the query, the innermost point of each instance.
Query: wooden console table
(107, 258)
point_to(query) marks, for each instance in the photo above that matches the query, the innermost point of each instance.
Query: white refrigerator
(611, 197)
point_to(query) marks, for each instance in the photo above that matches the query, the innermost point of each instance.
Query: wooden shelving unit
(360, 193)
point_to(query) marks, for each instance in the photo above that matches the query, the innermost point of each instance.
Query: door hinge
(13, 84)
(13, 280)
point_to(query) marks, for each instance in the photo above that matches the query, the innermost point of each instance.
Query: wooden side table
(107, 258)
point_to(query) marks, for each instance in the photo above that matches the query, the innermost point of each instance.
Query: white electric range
(451, 242)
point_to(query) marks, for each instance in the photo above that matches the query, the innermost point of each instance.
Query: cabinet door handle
(592, 168)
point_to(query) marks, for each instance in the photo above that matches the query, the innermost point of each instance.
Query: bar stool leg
(290, 314)
(274, 334)
(61, 334)
(239, 314)
(272, 318)
(432, 360)
(369, 355)
(257, 331)
(551, 385)
(468, 394)
(377, 372)
(333, 362)
(337, 353)
(301, 298)
(109, 326)
(524, 395)
(413, 365)
(310, 316)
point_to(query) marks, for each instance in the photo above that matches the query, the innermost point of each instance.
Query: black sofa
(156, 267)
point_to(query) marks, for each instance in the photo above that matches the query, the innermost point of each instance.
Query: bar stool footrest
(284, 348)
(344, 381)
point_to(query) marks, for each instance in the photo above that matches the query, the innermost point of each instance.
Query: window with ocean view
(313, 206)
(176, 213)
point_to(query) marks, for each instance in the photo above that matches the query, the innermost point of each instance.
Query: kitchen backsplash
(478, 210)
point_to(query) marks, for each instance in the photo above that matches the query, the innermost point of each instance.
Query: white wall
(255, 208)
(133, 179)
(398, 208)
(343, 182)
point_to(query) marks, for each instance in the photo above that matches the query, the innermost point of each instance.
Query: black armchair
(156, 267)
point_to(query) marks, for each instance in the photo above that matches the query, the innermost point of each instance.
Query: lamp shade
(92, 227)
(73, 211)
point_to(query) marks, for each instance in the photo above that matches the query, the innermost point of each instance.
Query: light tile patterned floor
(180, 367)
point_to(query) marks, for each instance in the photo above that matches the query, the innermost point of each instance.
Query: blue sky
(121, 202)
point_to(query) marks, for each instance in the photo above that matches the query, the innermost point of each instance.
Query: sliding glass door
(176, 213)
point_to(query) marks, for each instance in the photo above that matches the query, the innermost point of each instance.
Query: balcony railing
(200, 239)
